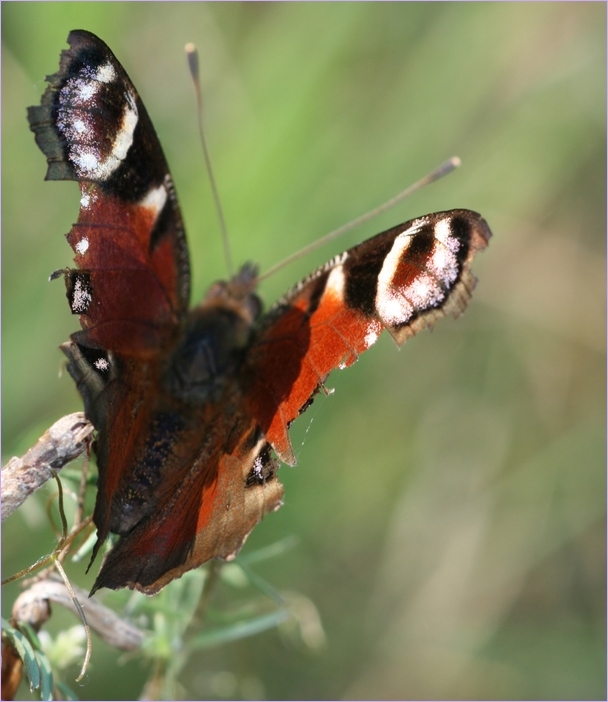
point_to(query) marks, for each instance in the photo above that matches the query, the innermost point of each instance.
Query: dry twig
(67, 439)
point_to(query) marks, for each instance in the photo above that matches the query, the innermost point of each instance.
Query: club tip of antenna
(192, 56)
(447, 167)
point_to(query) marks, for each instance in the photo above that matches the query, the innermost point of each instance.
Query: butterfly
(192, 406)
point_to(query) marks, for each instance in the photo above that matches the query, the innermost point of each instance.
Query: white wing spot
(257, 467)
(88, 196)
(105, 73)
(82, 246)
(155, 200)
(84, 90)
(335, 282)
(86, 161)
(101, 364)
(373, 332)
(443, 231)
(443, 264)
(424, 292)
(124, 138)
(393, 308)
(81, 297)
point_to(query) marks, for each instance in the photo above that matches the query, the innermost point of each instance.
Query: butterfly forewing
(401, 280)
(132, 284)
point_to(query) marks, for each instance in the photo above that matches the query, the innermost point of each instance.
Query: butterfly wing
(131, 284)
(215, 499)
(402, 280)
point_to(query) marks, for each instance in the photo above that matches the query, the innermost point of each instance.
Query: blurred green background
(450, 498)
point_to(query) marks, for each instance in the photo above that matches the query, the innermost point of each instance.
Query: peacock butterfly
(192, 406)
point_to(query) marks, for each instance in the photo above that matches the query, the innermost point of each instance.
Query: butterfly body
(192, 405)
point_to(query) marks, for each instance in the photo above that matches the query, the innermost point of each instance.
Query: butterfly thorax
(214, 339)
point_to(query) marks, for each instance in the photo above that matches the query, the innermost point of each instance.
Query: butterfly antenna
(445, 168)
(192, 55)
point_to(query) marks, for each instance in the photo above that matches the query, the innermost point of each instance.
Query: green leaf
(241, 630)
(25, 652)
(274, 550)
(46, 677)
(28, 631)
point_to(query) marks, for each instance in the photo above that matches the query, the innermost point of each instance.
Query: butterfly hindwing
(217, 499)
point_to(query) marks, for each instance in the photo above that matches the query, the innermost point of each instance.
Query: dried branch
(33, 607)
(67, 439)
